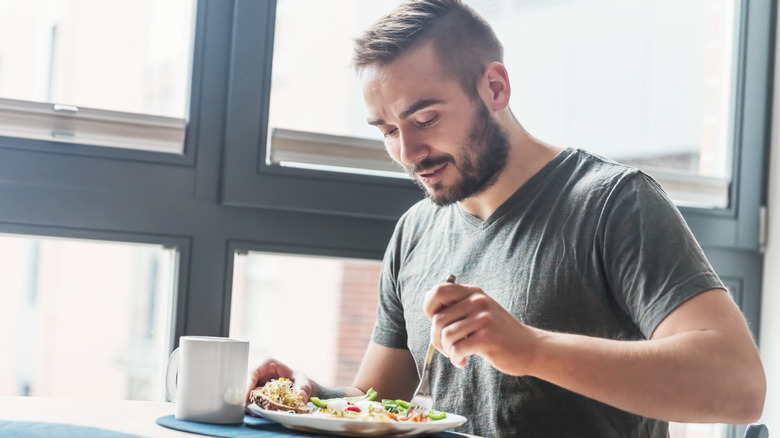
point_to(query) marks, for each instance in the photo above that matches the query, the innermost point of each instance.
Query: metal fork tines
(422, 401)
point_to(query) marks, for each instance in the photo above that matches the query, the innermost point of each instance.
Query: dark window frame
(187, 158)
(247, 175)
(220, 197)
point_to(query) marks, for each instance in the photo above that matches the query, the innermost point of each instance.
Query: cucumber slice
(436, 415)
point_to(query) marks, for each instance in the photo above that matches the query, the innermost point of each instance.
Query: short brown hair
(463, 41)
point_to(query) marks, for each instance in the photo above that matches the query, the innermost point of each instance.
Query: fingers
(466, 321)
(463, 328)
(445, 295)
(448, 320)
(304, 385)
(266, 370)
(460, 317)
(465, 347)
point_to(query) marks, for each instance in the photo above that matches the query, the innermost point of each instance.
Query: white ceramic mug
(206, 377)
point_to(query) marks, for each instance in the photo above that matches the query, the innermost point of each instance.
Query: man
(583, 305)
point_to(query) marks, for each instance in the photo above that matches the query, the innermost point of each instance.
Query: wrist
(536, 352)
(324, 392)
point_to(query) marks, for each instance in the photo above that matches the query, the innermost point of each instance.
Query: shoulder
(599, 171)
(591, 178)
(622, 181)
(606, 189)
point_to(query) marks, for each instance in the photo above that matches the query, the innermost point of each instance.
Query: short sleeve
(652, 260)
(390, 326)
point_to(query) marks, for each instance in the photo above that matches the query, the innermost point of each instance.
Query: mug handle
(171, 375)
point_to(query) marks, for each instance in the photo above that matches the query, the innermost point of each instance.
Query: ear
(495, 90)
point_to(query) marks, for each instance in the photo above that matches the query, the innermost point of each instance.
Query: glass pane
(678, 430)
(84, 318)
(324, 32)
(313, 313)
(645, 82)
(123, 55)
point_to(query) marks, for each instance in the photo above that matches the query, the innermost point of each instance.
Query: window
(229, 199)
(98, 73)
(337, 117)
(648, 83)
(247, 154)
(313, 313)
(695, 126)
(696, 118)
(677, 430)
(84, 318)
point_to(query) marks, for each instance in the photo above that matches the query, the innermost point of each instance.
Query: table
(128, 416)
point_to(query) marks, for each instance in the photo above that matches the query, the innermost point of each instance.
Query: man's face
(444, 139)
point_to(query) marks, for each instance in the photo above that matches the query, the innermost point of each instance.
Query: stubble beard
(481, 161)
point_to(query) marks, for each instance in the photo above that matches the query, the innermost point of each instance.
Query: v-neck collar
(518, 195)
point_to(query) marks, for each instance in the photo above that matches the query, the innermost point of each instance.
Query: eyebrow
(417, 106)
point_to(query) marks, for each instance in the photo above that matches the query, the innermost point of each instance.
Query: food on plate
(278, 395)
(365, 408)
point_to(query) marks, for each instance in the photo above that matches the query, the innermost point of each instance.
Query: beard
(482, 158)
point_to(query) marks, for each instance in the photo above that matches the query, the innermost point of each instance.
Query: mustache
(428, 163)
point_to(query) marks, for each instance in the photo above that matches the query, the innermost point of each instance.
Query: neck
(527, 155)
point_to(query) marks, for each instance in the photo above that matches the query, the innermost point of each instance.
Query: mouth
(432, 176)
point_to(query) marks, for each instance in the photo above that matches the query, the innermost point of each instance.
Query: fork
(422, 401)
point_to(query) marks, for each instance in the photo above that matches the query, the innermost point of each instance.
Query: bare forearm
(390, 371)
(325, 392)
(699, 365)
(688, 377)
(379, 365)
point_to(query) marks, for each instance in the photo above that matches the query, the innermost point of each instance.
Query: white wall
(770, 299)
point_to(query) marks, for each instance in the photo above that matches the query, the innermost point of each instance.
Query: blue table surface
(40, 429)
(253, 427)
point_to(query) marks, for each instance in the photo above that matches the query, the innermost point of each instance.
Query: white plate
(351, 427)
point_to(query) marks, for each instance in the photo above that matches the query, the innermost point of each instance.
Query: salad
(366, 408)
(280, 395)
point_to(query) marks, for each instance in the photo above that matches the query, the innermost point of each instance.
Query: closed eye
(428, 123)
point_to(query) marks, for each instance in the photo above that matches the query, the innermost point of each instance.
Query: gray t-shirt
(586, 246)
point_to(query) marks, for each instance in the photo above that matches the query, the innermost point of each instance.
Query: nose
(411, 149)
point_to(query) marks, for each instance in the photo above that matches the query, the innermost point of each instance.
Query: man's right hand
(390, 371)
(268, 369)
